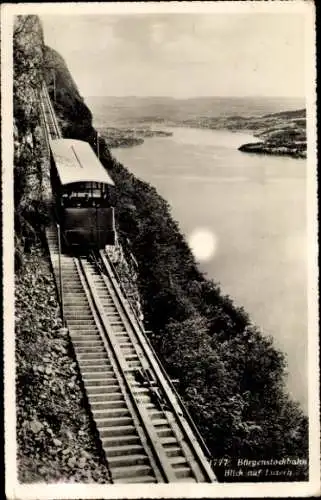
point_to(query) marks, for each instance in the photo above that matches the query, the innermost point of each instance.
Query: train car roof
(76, 162)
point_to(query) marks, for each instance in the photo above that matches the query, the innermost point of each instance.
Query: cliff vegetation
(231, 377)
(55, 437)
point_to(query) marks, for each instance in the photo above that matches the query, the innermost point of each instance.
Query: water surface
(256, 208)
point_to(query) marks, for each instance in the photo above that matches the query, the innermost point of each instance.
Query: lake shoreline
(234, 193)
(266, 149)
(281, 134)
(119, 137)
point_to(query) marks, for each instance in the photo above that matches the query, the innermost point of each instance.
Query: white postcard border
(42, 491)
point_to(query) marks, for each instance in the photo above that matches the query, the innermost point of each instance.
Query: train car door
(97, 228)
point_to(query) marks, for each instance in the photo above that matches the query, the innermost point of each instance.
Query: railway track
(51, 127)
(143, 429)
(140, 422)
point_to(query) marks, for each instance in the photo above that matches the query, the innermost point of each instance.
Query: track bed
(140, 422)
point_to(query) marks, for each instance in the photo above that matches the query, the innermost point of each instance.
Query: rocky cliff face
(29, 153)
(74, 117)
(54, 432)
(230, 376)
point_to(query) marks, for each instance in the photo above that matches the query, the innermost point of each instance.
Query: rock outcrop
(54, 431)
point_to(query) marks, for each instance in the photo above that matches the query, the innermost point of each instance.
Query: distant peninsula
(117, 137)
(282, 133)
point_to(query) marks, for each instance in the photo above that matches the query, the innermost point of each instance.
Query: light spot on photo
(203, 244)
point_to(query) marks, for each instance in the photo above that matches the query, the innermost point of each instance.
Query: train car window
(104, 197)
(89, 194)
(64, 199)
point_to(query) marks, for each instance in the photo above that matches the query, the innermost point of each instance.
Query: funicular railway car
(83, 193)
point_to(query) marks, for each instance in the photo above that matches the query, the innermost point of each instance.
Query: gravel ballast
(55, 434)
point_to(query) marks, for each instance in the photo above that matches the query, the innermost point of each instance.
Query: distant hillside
(127, 137)
(278, 122)
(281, 134)
(133, 110)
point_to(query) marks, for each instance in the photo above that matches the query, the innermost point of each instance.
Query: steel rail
(178, 418)
(50, 120)
(188, 415)
(198, 445)
(153, 439)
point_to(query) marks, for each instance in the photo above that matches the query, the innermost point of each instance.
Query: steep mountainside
(230, 376)
(28, 64)
(74, 117)
(54, 432)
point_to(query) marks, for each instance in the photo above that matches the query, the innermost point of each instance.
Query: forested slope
(231, 377)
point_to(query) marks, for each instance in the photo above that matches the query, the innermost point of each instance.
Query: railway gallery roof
(76, 162)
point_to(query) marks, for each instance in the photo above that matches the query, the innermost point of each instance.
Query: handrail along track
(51, 126)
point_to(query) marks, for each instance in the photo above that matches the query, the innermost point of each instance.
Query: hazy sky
(182, 55)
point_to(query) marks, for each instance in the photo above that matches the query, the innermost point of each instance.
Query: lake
(255, 208)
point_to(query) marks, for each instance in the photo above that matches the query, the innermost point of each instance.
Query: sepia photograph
(160, 250)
